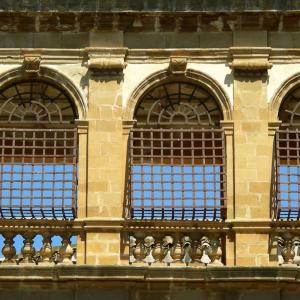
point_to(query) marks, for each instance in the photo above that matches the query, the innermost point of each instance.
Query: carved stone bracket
(228, 127)
(127, 125)
(250, 62)
(31, 61)
(106, 59)
(178, 64)
(272, 127)
(82, 126)
(172, 249)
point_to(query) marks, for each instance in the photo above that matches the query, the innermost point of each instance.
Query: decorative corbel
(127, 125)
(31, 61)
(273, 127)
(106, 59)
(250, 62)
(178, 64)
(228, 126)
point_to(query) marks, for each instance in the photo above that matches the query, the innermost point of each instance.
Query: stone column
(253, 153)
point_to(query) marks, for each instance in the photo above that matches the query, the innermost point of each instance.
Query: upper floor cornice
(148, 5)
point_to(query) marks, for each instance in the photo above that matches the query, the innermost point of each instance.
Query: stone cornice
(212, 55)
(236, 57)
(148, 6)
(166, 18)
(67, 275)
(79, 226)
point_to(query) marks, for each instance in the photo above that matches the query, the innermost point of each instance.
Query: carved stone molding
(127, 125)
(107, 59)
(247, 61)
(178, 64)
(272, 127)
(32, 61)
(228, 127)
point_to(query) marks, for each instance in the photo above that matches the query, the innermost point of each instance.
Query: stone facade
(106, 55)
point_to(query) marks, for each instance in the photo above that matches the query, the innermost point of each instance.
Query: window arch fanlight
(38, 138)
(36, 102)
(287, 147)
(178, 104)
(177, 155)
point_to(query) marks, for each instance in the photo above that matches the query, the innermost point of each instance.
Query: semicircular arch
(52, 77)
(285, 89)
(191, 76)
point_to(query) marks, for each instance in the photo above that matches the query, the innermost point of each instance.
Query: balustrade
(30, 252)
(172, 249)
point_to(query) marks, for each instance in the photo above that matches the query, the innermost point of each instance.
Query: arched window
(38, 142)
(177, 155)
(287, 204)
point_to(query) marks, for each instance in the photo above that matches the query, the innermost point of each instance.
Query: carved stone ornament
(32, 62)
(108, 59)
(250, 61)
(178, 64)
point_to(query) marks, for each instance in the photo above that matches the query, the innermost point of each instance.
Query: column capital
(273, 126)
(106, 59)
(228, 126)
(127, 125)
(250, 61)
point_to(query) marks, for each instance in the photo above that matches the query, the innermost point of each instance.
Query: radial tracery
(178, 103)
(35, 102)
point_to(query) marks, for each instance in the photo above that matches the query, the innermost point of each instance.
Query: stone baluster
(8, 250)
(285, 246)
(28, 250)
(280, 246)
(167, 247)
(148, 249)
(206, 250)
(74, 256)
(296, 247)
(138, 251)
(215, 254)
(187, 250)
(66, 250)
(132, 249)
(46, 249)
